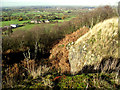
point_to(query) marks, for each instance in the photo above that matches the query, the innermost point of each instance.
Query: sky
(6, 3)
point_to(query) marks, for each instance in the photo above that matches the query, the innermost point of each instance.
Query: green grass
(31, 12)
(95, 80)
(59, 13)
(26, 27)
(30, 26)
(16, 13)
(90, 81)
(7, 23)
(66, 19)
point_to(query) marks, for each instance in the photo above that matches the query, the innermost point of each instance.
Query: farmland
(7, 23)
(25, 15)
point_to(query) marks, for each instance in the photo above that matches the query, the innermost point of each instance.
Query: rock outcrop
(97, 50)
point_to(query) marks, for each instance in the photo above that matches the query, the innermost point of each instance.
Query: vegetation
(7, 23)
(26, 49)
(20, 16)
(93, 81)
(46, 36)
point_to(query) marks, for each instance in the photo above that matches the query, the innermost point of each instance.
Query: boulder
(97, 50)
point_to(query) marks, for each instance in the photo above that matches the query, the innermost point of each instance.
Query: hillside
(60, 47)
(86, 54)
(59, 53)
(97, 50)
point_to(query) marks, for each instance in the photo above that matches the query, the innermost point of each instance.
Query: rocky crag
(97, 50)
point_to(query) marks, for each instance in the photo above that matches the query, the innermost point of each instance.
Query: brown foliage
(20, 19)
(59, 53)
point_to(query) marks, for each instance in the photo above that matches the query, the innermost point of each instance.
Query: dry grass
(100, 42)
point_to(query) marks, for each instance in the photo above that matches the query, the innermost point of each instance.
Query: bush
(20, 19)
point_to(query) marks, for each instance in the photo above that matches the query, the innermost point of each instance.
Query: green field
(7, 23)
(31, 12)
(22, 13)
(30, 26)
(26, 27)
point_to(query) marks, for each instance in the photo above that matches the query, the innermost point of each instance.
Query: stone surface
(100, 43)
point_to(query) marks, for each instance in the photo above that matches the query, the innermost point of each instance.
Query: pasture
(7, 23)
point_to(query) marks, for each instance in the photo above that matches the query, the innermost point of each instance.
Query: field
(7, 23)
(34, 13)
(30, 14)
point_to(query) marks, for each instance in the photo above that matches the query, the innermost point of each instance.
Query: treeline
(40, 39)
(89, 19)
(28, 14)
(33, 16)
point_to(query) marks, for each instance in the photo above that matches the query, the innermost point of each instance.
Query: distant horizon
(22, 3)
(57, 6)
(54, 6)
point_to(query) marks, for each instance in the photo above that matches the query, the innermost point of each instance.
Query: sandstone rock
(100, 43)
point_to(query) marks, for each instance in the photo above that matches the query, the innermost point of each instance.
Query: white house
(32, 21)
(14, 25)
(46, 21)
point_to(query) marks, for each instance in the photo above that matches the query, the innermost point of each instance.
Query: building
(14, 25)
(32, 22)
(35, 21)
(47, 21)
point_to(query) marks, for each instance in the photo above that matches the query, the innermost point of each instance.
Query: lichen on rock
(90, 49)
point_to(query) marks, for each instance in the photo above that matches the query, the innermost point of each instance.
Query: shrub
(20, 19)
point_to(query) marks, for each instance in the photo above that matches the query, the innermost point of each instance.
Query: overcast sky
(58, 2)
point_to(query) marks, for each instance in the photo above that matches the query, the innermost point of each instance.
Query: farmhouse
(46, 21)
(32, 21)
(35, 21)
(43, 21)
(14, 25)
